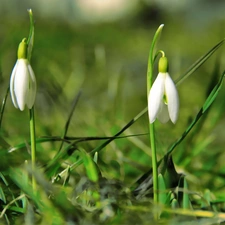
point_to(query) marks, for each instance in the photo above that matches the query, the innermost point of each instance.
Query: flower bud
(22, 49)
(23, 81)
(163, 65)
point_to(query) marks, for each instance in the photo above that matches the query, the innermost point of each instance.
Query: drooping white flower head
(163, 100)
(23, 81)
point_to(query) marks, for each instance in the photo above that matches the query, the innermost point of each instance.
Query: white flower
(23, 85)
(163, 100)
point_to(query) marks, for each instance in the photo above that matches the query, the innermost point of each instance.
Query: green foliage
(94, 167)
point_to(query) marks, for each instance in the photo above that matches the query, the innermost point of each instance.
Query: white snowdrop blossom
(163, 99)
(22, 82)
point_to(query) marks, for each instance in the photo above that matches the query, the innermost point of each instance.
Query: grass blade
(198, 63)
(3, 106)
(69, 118)
(89, 165)
(162, 189)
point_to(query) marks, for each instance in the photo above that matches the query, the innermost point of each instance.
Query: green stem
(3, 106)
(33, 147)
(154, 163)
(151, 126)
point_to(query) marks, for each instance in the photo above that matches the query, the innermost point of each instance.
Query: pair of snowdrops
(163, 100)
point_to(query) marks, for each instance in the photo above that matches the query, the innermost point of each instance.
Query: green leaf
(206, 199)
(152, 56)
(198, 63)
(162, 189)
(2, 195)
(30, 40)
(17, 209)
(74, 104)
(3, 106)
(185, 202)
(89, 165)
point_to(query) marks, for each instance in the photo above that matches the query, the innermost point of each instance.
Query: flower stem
(33, 147)
(151, 125)
(154, 162)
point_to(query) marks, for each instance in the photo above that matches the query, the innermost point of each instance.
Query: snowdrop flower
(163, 100)
(23, 81)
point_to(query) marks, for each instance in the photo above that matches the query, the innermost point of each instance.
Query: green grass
(91, 85)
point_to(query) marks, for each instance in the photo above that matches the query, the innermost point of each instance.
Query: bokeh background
(100, 49)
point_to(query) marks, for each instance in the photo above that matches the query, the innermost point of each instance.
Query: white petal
(155, 97)
(12, 82)
(163, 115)
(32, 88)
(21, 83)
(172, 98)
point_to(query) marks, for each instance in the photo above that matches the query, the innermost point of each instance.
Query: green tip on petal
(163, 65)
(22, 49)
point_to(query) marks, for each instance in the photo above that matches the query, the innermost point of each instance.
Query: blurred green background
(100, 47)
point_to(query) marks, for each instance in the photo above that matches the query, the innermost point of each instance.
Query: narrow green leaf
(74, 104)
(151, 57)
(211, 98)
(162, 189)
(185, 202)
(17, 209)
(206, 199)
(198, 63)
(4, 179)
(67, 177)
(3, 106)
(89, 165)
(2, 195)
(30, 40)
